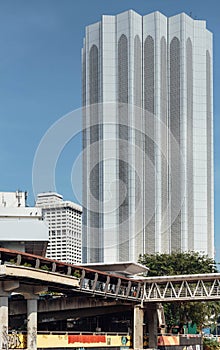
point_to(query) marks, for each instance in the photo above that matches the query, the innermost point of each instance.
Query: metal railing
(145, 290)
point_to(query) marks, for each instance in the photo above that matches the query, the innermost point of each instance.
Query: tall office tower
(148, 137)
(64, 219)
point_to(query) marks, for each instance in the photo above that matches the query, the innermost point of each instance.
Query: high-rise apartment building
(148, 137)
(64, 219)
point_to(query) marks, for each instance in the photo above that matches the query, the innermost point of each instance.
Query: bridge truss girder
(182, 290)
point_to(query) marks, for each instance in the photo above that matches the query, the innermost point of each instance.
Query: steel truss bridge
(31, 270)
(182, 288)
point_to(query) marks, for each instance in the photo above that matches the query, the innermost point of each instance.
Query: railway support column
(152, 318)
(6, 287)
(32, 323)
(31, 295)
(138, 338)
(3, 321)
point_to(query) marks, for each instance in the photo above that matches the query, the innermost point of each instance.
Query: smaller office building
(64, 219)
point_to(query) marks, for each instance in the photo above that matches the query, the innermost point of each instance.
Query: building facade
(17, 221)
(147, 137)
(64, 219)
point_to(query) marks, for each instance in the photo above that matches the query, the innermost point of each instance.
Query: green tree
(201, 313)
(210, 344)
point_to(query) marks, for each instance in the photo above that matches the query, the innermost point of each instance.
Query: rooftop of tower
(155, 13)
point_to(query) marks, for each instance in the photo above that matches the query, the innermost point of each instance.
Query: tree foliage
(210, 344)
(177, 263)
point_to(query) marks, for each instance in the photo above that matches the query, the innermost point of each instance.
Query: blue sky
(40, 78)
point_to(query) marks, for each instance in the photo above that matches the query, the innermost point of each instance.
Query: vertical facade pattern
(137, 72)
(190, 201)
(209, 146)
(123, 136)
(175, 131)
(84, 144)
(95, 165)
(162, 67)
(138, 141)
(149, 93)
(164, 146)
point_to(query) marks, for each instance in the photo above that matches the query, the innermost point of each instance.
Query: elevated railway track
(31, 275)
(69, 279)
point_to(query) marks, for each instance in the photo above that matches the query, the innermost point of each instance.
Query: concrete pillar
(6, 287)
(138, 338)
(3, 322)
(32, 324)
(31, 295)
(152, 320)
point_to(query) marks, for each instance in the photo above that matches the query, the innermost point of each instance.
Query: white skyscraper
(64, 219)
(148, 137)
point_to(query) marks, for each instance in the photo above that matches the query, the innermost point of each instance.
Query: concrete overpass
(32, 275)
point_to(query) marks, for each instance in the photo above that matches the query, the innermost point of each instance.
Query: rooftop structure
(21, 227)
(127, 269)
